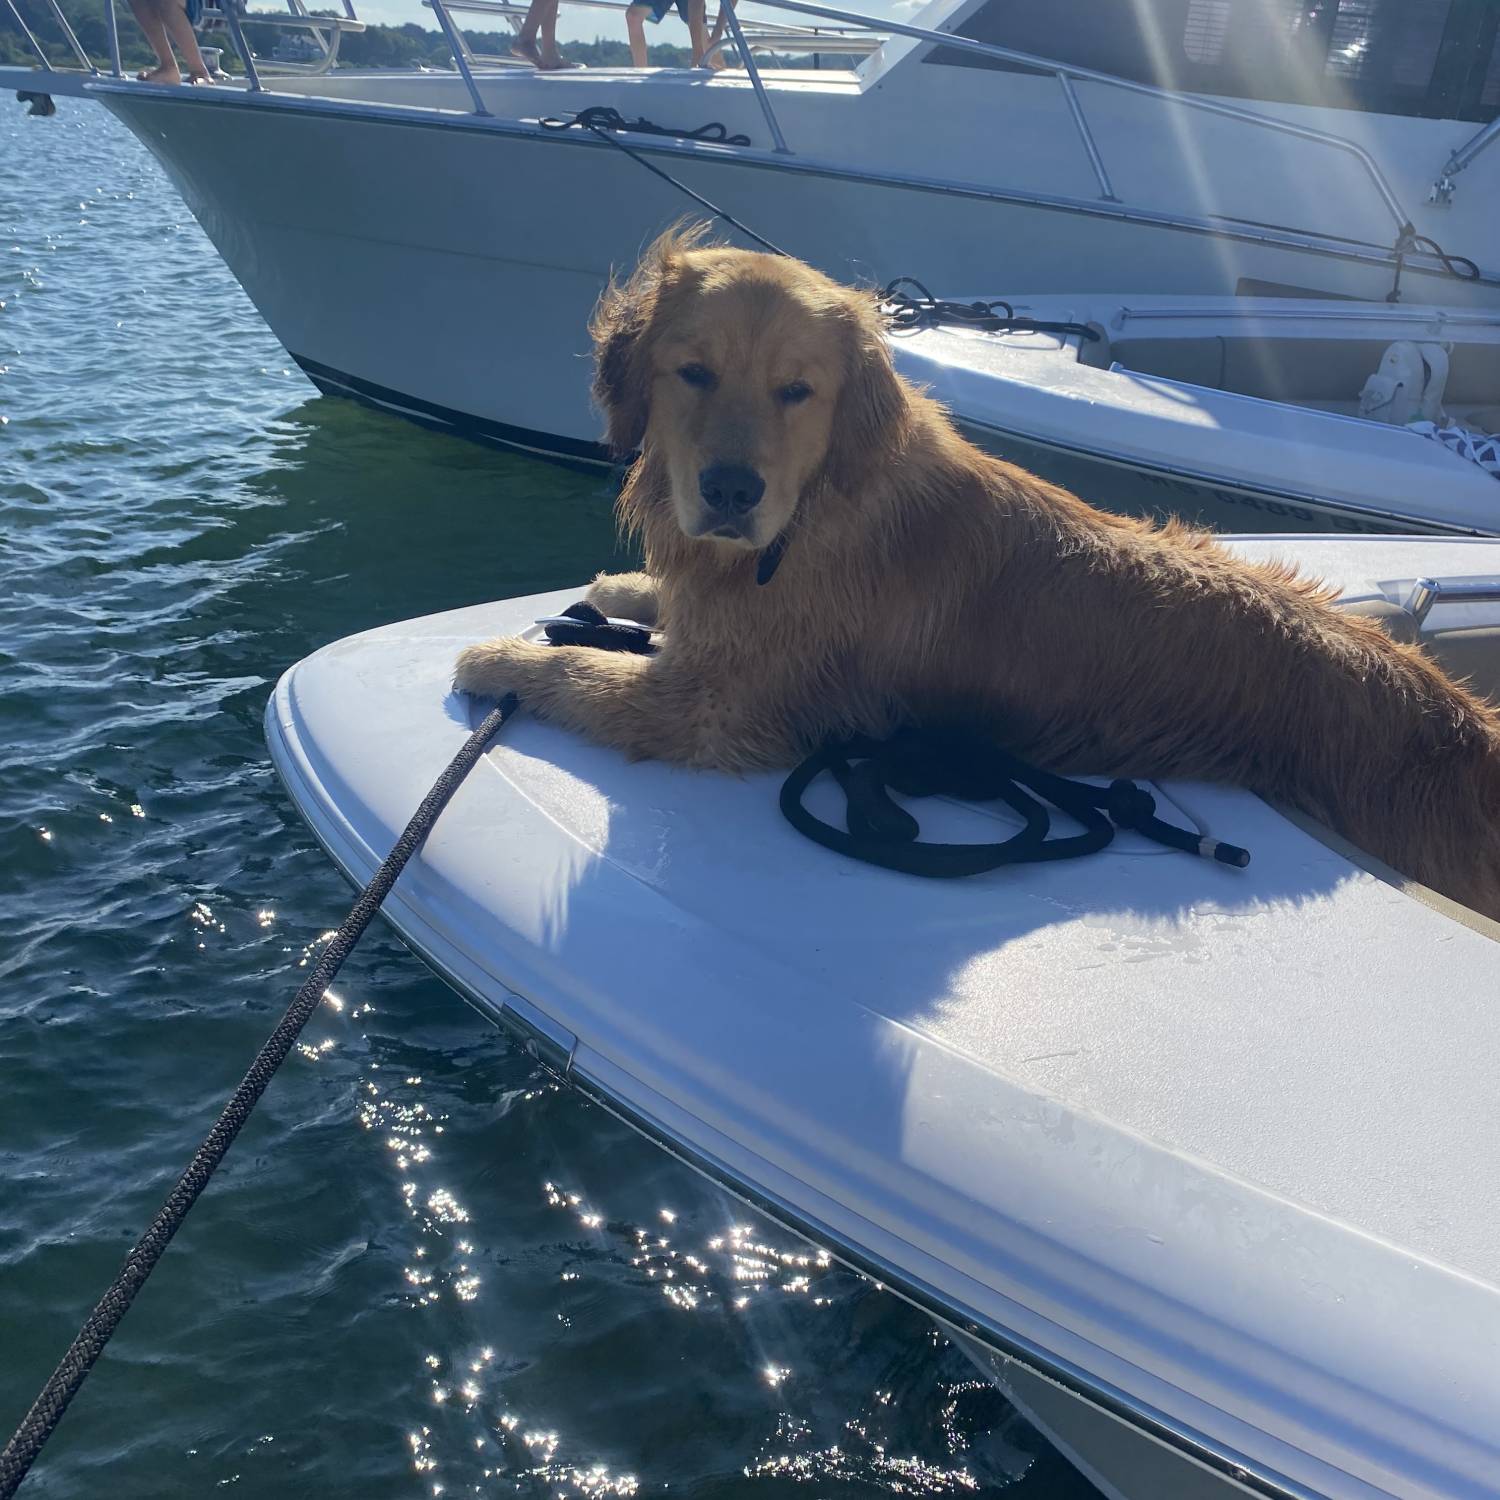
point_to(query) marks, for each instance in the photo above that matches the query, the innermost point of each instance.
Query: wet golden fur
(926, 581)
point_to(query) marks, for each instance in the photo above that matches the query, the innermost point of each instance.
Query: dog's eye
(794, 394)
(698, 375)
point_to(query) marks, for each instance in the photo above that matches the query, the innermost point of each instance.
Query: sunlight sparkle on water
(446, 1207)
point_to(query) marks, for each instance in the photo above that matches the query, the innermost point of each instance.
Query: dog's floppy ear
(621, 328)
(622, 378)
(872, 417)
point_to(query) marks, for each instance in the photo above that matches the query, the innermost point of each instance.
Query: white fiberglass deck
(1223, 1144)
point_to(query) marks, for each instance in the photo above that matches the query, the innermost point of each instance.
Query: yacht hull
(444, 265)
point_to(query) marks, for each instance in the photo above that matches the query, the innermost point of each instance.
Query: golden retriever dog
(915, 579)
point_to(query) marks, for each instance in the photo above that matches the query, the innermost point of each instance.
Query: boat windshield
(1439, 58)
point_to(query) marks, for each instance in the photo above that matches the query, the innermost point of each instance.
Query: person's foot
(205, 78)
(555, 62)
(526, 49)
(162, 74)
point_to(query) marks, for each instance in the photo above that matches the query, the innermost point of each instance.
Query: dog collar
(769, 560)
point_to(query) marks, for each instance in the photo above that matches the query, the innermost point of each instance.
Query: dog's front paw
(494, 668)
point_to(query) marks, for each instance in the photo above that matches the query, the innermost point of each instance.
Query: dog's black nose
(731, 488)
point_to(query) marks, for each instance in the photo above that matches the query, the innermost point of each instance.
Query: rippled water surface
(423, 1269)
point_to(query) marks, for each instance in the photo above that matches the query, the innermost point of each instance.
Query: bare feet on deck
(205, 78)
(544, 59)
(159, 75)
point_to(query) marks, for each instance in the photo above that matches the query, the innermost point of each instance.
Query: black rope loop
(604, 117)
(907, 311)
(951, 763)
(1409, 241)
(582, 624)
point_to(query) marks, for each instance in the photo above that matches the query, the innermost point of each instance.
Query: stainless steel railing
(1426, 592)
(36, 46)
(62, 25)
(1481, 140)
(1066, 74)
(762, 37)
(296, 17)
(753, 70)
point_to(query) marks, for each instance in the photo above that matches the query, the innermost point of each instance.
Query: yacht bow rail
(69, 36)
(785, 39)
(326, 30)
(1066, 74)
(850, 25)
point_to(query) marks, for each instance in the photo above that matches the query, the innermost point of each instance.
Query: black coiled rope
(602, 117)
(950, 763)
(907, 311)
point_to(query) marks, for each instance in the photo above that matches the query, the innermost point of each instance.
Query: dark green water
(423, 1269)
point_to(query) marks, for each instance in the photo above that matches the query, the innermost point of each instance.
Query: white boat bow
(1216, 1151)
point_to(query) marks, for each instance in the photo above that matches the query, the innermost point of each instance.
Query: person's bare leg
(148, 18)
(551, 58)
(525, 42)
(699, 9)
(174, 17)
(698, 29)
(635, 24)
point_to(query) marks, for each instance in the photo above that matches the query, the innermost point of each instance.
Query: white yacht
(427, 242)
